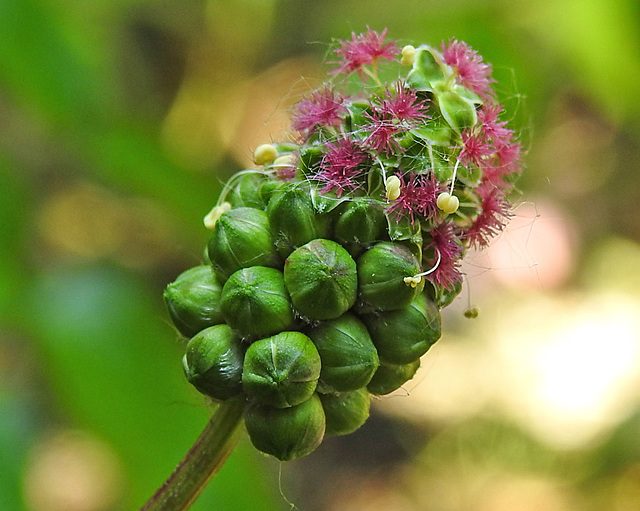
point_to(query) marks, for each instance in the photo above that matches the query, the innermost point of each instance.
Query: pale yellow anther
(413, 281)
(213, 216)
(264, 154)
(448, 203)
(392, 187)
(285, 160)
(408, 55)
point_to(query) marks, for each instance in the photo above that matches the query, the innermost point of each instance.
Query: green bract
(282, 370)
(193, 300)
(348, 356)
(402, 336)
(346, 411)
(390, 377)
(213, 363)
(381, 273)
(322, 280)
(286, 433)
(241, 238)
(254, 302)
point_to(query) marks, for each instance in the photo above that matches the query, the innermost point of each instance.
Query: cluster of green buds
(329, 263)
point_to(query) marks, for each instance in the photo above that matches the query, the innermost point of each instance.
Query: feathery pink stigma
(339, 167)
(362, 50)
(475, 148)
(493, 217)
(491, 126)
(445, 242)
(402, 104)
(382, 131)
(322, 107)
(471, 71)
(417, 196)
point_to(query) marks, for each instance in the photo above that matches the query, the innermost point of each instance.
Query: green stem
(210, 451)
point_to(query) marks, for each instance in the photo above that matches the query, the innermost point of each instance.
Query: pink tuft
(323, 107)
(445, 243)
(363, 50)
(418, 196)
(492, 218)
(339, 167)
(470, 70)
(402, 104)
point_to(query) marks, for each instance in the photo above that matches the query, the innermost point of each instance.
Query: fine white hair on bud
(213, 215)
(265, 154)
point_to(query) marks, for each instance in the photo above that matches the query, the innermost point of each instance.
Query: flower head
(363, 50)
(323, 107)
(470, 70)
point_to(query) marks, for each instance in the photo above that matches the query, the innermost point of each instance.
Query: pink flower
(402, 104)
(470, 71)
(339, 167)
(417, 196)
(491, 127)
(475, 148)
(362, 50)
(493, 217)
(446, 246)
(382, 131)
(506, 161)
(322, 107)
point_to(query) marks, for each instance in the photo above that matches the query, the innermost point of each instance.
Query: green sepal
(348, 355)
(310, 158)
(390, 377)
(381, 273)
(281, 370)
(293, 219)
(255, 302)
(213, 362)
(345, 412)
(193, 300)
(460, 113)
(247, 190)
(426, 70)
(241, 238)
(443, 296)
(286, 433)
(322, 279)
(409, 234)
(404, 335)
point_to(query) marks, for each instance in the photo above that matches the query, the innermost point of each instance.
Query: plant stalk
(207, 455)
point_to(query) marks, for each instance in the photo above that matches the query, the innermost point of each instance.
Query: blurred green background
(119, 120)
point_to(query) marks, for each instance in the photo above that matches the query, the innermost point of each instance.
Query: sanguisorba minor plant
(329, 262)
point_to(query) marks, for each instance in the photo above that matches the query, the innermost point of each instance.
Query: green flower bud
(402, 336)
(247, 191)
(348, 355)
(213, 362)
(293, 219)
(361, 223)
(282, 370)
(381, 273)
(241, 238)
(390, 377)
(345, 412)
(286, 433)
(255, 302)
(322, 280)
(193, 300)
